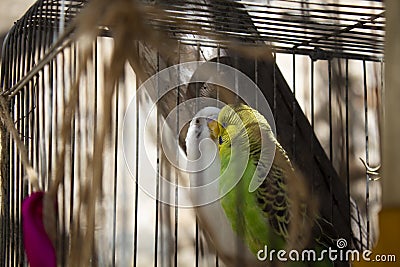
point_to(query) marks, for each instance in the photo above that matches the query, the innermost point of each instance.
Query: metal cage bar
(38, 73)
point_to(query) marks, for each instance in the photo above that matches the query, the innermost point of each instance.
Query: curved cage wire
(318, 63)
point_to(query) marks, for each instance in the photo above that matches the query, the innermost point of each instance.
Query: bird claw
(371, 170)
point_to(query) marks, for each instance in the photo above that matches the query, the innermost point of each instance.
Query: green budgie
(240, 223)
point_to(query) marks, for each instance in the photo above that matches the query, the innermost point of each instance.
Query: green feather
(261, 217)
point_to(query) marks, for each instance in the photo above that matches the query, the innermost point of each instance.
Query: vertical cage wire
(176, 174)
(366, 148)
(47, 115)
(158, 176)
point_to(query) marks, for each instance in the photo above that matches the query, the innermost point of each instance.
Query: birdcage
(72, 70)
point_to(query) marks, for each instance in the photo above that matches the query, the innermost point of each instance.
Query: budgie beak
(213, 125)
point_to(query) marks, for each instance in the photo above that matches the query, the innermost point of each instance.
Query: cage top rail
(321, 30)
(354, 31)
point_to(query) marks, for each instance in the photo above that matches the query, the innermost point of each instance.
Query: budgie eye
(220, 140)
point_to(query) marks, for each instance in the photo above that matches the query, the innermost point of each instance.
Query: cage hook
(374, 171)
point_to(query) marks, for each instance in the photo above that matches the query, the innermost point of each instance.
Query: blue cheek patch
(220, 140)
